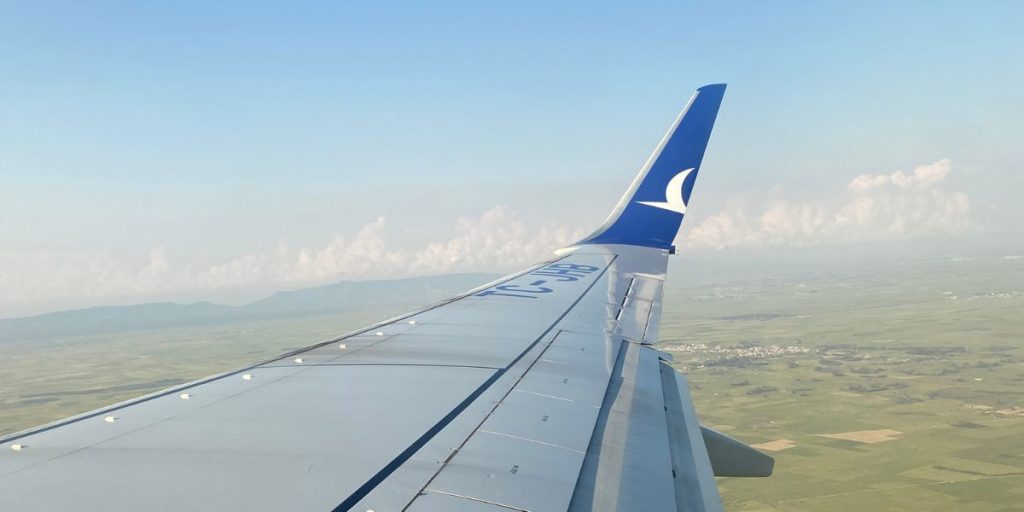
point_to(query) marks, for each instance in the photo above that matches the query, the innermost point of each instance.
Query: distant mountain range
(363, 295)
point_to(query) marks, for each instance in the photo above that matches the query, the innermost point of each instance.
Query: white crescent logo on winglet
(673, 194)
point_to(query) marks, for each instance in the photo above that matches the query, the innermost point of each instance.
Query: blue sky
(166, 142)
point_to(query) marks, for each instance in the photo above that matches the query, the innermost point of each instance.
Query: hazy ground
(42, 381)
(922, 361)
(915, 369)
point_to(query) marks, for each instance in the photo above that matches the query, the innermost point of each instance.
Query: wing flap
(730, 457)
(628, 464)
(528, 452)
(695, 487)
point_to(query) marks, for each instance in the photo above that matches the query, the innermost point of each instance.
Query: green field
(43, 381)
(932, 349)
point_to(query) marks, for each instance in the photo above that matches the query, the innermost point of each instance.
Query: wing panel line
(406, 454)
(311, 365)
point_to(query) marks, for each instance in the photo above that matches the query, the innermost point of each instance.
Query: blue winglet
(652, 209)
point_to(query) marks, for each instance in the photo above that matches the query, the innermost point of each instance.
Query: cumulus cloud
(44, 280)
(871, 207)
(497, 239)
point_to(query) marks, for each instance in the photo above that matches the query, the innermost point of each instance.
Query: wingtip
(664, 183)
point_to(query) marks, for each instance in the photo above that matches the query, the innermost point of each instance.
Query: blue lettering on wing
(533, 288)
(556, 272)
(565, 271)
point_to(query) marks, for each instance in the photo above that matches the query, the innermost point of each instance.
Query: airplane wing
(541, 391)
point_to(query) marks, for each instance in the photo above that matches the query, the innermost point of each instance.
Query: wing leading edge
(539, 392)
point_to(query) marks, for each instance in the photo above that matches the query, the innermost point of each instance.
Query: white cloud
(497, 240)
(872, 207)
(923, 177)
(364, 255)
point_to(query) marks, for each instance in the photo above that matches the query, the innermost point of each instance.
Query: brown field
(775, 446)
(866, 436)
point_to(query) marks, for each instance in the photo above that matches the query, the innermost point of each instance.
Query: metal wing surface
(538, 392)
